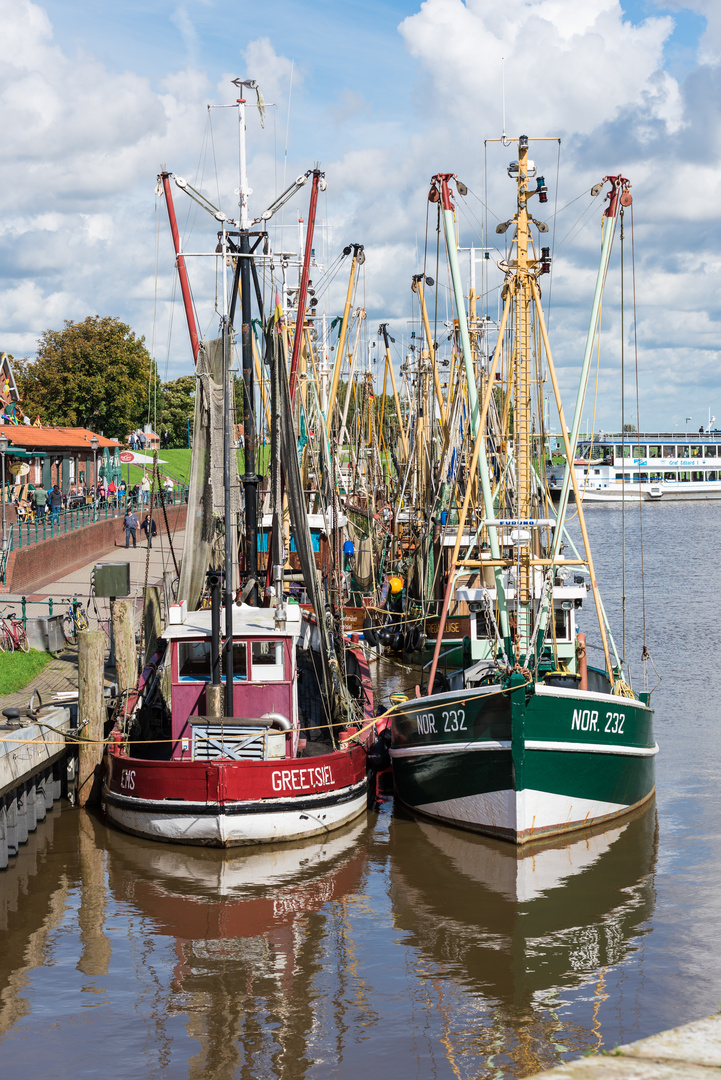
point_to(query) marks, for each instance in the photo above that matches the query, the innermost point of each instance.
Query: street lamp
(4, 443)
(94, 444)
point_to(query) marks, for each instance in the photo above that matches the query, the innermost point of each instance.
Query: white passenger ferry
(662, 466)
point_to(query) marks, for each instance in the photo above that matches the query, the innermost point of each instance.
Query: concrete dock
(36, 768)
(691, 1052)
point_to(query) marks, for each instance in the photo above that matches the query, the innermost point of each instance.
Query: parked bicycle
(12, 633)
(74, 619)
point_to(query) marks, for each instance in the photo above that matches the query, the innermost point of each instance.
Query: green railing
(23, 534)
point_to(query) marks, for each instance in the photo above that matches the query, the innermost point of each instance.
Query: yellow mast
(358, 259)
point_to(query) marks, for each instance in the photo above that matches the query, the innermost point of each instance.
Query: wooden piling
(91, 713)
(151, 620)
(121, 614)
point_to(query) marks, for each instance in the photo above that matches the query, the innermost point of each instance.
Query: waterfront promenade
(60, 676)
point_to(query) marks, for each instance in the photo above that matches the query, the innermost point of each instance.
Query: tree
(178, 406)
(92, 374)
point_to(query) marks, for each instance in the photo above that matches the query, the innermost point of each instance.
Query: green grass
(178, 465)
(17, 669)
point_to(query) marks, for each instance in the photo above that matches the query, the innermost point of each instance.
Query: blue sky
(94, 98)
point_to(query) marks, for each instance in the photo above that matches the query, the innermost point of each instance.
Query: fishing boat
(528, 739)
(660, 466)
(253, 720)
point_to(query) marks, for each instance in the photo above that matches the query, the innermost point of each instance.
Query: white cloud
(573, 65)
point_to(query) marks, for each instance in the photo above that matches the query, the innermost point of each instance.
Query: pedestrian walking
(149, 528)
(130, 521)
(56, 502)
(41, 498)
(145, 489)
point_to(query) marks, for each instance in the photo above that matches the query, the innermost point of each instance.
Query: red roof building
(56, 455)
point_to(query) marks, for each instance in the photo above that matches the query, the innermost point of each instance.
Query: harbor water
(396, 947)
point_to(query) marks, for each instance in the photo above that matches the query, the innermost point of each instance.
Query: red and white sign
(127, 456)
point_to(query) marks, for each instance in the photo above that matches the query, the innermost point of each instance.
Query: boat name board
(302, 779)
(587, 720)
(450, 720)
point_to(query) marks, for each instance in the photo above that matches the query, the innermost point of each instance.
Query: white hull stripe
(592, 748)
(522, 814)
(531, 744)
(587, 695)
(450, 748)
(235, 830)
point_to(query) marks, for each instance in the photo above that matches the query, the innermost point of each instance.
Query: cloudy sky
(95, 99)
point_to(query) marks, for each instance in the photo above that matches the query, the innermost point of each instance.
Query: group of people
(138, 440)
(34, 502)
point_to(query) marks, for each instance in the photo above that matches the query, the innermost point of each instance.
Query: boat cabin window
(697, 476)
(684, 476)
(684, 451)
(267, 661)
(562, 620)
(669, 451)
(194, 660)
(654, 451)
(672, 476)
(709, 451)
(656, 477)
(697, 451)
(623, 451)
(711, 474)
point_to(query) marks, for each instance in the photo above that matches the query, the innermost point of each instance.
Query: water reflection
(521, 931)
(248, 936)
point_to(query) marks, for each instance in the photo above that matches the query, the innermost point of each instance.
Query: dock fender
(378, 756)
(369, 633)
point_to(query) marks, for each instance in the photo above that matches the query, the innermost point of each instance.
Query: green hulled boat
(528, 739)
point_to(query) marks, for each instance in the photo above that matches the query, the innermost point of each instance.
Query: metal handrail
(22, 534)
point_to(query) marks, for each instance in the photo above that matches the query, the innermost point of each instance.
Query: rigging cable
(623, 461)
(644, 653)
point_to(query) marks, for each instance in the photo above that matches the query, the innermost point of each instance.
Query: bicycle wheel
(21, 638)
(70, 632)
(6, 640)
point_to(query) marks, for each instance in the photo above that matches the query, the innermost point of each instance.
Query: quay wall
(33, 774)
(691, 1052)
(29, 568)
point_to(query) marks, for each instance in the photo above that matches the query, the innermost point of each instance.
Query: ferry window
(644, 477)
(267, 661)
(669, 451)
(684, 476)
(623, 451)
(561, 618)
(596, 472)
(697, 451)
(640, 451)
(672, 476)
(656, 477)
(697, 476)
(194, 659)
(710, 451)
(711, 475)
(598, 452)
(654, 451)
(619, 476)
(240, 660)
(684, 451)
